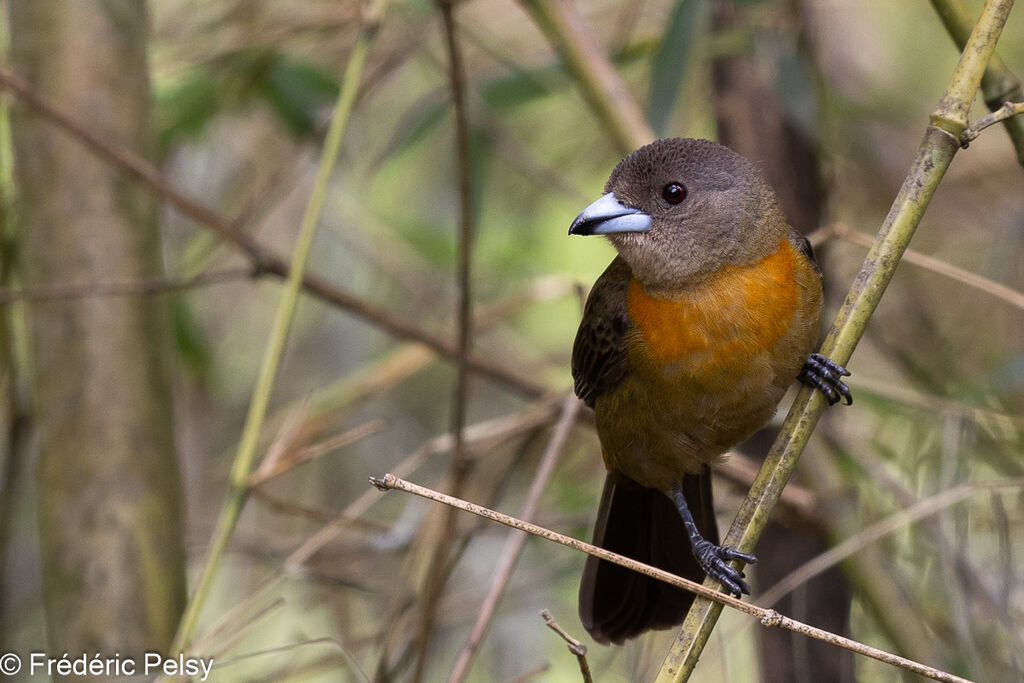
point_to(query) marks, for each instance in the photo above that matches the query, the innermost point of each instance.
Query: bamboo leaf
(672, 61)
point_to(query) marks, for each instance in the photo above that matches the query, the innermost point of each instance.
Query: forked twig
(575, 646)
(1004, 112)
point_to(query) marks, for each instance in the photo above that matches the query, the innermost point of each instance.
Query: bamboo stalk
(940, 144)
(241, 468)
(999, 84)
(599, 83)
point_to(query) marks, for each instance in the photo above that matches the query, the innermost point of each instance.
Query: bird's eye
(674, 193)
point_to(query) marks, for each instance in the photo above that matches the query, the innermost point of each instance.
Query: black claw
(713, 560)
(733, 554)
(825, 375)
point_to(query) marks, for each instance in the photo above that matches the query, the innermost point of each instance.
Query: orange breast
(741, 312)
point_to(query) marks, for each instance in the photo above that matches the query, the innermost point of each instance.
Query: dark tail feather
(617, 603)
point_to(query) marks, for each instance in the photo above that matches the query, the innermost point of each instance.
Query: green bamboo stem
(599, 83)
(941, 142)
(999, 84)
(242, 465)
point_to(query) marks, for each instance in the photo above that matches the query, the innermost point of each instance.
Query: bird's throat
(737, 313)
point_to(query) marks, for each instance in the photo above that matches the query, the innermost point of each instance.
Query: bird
(688, 341)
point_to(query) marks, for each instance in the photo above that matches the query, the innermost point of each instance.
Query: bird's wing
(599, 359)
(804, 245)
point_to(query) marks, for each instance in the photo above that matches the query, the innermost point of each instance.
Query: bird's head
(678, 209)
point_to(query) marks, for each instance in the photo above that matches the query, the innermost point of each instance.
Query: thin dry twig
(436, 576)
(875, 532)
(514, 545)
(575, 646)
(979, 282)
(62, 291)
(531, 674)
(900, 393)
(1004, 112)
(290, 507)
(280, 460)
(232, 639)
(767, 617)
(349, 659)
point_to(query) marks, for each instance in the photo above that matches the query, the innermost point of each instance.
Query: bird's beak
(608, 215)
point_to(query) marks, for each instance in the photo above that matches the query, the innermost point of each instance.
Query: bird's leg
(713, 558)
(825, 375)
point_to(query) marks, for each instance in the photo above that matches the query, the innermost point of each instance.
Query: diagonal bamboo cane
(940, 144)
(998, 84)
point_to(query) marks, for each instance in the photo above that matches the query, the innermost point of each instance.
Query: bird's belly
(707, 369)
(656, 431)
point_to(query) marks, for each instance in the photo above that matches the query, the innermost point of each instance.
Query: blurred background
(230, 100)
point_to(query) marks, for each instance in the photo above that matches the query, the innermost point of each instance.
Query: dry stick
(979, 282)
(936, 152)
(601, 86)
(62, 291)
(352, 662)
(236, 637)
(436, 576)
(276, 463)
(531, 674)
(575, 646)
(241, 467)
(998, 84)
(1001, 114)
(264, 261)
(767, 617)
(872, 534)
(514, 545)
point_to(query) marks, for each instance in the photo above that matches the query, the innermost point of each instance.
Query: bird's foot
(825, 375)
(714, 560)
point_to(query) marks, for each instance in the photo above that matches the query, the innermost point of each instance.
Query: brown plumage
(688, 342)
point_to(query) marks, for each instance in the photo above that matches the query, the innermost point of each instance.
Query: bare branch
(1004, 112)
(73, 290)
(767, 617)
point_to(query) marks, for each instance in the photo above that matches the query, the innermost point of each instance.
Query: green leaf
(296, 91)
(183, 108)
(189, 341)
(524, 85)
(416, 123)
(672, 59)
